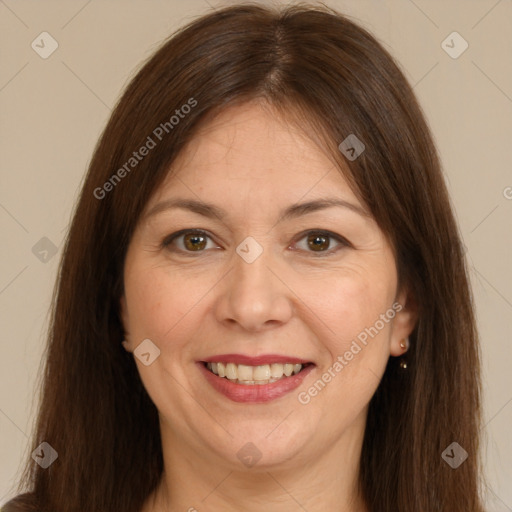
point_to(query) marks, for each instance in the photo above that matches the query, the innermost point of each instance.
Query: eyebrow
(295, 210)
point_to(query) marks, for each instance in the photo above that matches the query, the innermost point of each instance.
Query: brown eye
(322, 242)
(194, 242)
(318, 242)
(187, 241)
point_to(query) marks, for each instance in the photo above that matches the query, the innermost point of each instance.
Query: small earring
(404, 345)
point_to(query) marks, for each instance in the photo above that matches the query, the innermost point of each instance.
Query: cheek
(153, 303)
(164, 303)
(351, 300)
(354, 339)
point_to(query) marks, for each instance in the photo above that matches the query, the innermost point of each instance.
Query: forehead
(251, 150)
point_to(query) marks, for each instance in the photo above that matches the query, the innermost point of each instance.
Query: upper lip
(254, 360)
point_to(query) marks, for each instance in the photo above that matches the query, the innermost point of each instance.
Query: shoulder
(21, 503)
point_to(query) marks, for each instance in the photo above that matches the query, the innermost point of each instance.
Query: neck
(193, 483)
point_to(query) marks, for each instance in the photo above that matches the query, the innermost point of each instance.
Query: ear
(124, 319)
(404, 322)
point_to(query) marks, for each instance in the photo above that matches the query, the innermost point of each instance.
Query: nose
(255, 296)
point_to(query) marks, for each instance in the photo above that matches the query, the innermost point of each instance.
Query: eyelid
(342, 241)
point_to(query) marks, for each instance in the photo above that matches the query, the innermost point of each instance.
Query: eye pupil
(318, 241)
(194, 242)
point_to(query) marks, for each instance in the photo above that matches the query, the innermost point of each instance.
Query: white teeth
(250, 375)
(276, 370)
(231, 372)
(245, 372)
(261, 372)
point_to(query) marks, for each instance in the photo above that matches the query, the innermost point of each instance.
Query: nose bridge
(255, 296)
(251, 273)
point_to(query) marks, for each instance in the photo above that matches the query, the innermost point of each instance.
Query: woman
(263, 302)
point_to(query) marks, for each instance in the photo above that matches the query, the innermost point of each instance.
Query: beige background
(53, 110)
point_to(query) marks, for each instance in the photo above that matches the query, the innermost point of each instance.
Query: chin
(262, 446)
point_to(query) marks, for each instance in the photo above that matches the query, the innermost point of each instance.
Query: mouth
(254, 379)
(254, 375)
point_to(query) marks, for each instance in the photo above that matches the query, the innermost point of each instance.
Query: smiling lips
(254, 379)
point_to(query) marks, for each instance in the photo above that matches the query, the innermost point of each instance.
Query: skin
(293, 300)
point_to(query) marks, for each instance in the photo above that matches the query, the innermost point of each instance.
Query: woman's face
(262, 284)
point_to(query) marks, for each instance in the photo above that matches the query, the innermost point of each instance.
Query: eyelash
(167, 242)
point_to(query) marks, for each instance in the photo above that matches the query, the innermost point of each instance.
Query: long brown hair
(94, 409)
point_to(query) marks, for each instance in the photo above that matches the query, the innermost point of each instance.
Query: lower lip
(255, 393)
